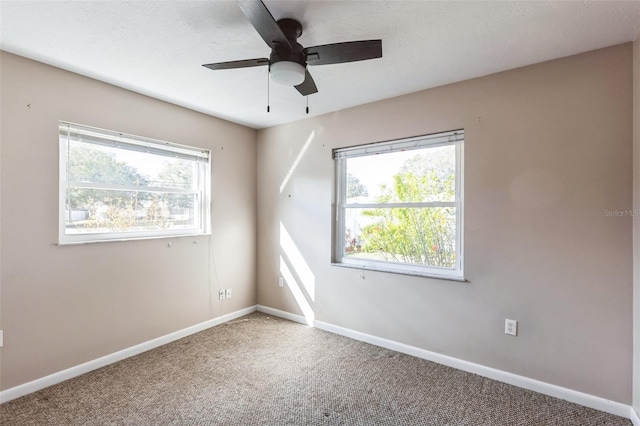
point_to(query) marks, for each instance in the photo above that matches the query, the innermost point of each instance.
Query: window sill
(409, 273)
(115, 240)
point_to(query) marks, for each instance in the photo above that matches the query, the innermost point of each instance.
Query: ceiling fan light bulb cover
(287, 73)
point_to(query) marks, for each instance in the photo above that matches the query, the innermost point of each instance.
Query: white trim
(283, 314)
(98, 136)
(69, 373)
(130, 188)
(157, 237)
(428, 204)
(341, 155)
(460, 211)
(364, 264)
(201, 194)
(580, 398)
(416, 142)
(555, 391)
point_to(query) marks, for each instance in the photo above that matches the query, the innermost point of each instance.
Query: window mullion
(117, 187)
(94, 208)
(416, 238)
(400, 205)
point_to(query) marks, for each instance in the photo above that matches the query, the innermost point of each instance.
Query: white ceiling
(157, 47)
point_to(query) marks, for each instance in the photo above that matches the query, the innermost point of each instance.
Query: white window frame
(97, 136)
(455, 138)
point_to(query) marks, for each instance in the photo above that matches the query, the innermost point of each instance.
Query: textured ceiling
(157, 48)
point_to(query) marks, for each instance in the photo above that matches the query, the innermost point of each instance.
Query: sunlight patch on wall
(300, 266)
(306, 309)
(297, 161)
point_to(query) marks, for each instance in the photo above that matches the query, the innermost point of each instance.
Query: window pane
(119, 186)
(416, 236)
(91, 211)
(110, 165)
(422, 175)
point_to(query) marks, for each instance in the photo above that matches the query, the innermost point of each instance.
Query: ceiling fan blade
(263, 22)
(308, 86)
(350, 51)
(238, 64)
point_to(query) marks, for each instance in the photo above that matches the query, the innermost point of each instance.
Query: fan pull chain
(307, 104)
(268, 87)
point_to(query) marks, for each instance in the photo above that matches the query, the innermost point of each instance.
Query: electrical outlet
(281, 282)
(228, 293)
(511, 327)
(221, 294)
(1, 338)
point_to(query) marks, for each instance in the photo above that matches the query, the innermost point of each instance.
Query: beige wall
(62, 306)
(1, 96)
(548, 149)
(636, 225)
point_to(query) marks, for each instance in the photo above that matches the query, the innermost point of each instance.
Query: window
(115, 186)
(399, 206)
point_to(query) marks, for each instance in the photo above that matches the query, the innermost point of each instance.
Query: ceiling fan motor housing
(288, 60)
(292, 29)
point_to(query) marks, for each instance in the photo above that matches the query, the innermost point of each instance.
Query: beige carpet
(261, 370)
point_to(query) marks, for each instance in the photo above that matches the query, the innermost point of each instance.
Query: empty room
(320, 212)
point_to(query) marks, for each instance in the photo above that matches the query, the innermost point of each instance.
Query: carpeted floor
(261, 370)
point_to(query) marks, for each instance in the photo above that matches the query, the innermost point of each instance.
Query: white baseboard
(283, 314)
(555, 391)
(60, 376)
(635, 418)
(570, 395)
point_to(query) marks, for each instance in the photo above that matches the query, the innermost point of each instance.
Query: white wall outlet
(228, 293)
(511, 327)
(221, 294)
(280, 282)
(1, 338)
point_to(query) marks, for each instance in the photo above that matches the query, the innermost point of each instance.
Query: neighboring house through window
(115, 186)
(399, 206)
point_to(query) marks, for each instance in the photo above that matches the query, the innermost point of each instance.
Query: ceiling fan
(288, 60)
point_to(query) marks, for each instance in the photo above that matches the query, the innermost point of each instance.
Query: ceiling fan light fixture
(288, 73)
(289, 60)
